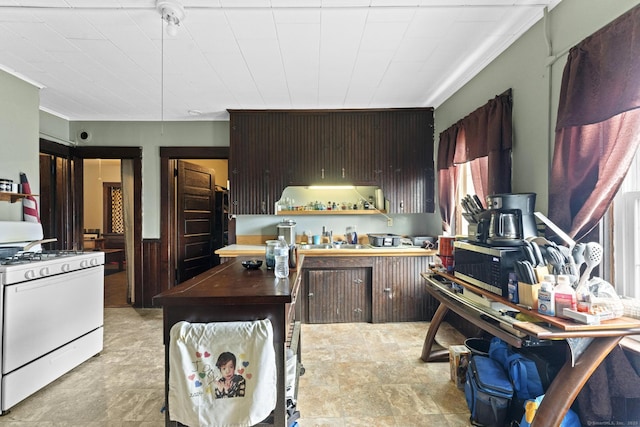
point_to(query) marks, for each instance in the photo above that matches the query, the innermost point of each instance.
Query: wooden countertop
(257, 251)
(228, 284)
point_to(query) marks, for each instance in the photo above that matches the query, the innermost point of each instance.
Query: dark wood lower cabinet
(398, 291)
(339, 296)
(365, 289)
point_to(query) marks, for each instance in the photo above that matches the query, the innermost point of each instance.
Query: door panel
(339, 296)
(196, 190)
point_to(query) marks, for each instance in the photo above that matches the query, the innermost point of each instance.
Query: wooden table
(229, 292)
(589, 344)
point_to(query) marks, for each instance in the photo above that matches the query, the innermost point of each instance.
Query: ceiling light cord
(161, 78)
(171, 12)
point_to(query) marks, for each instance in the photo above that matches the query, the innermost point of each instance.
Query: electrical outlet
(389, 222)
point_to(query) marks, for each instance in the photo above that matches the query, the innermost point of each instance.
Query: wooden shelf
(13, 197)
(332, 212)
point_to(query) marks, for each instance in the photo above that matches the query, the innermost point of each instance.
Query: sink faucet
(328, 234)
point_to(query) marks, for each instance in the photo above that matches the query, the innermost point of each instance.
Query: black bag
(488, 392)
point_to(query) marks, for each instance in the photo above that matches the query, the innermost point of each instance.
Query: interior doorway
(215, 158)
(104, 225)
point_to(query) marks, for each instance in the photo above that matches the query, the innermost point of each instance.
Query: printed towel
(222, 374)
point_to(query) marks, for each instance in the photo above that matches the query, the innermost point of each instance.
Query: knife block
(528, 294)
(541, 271)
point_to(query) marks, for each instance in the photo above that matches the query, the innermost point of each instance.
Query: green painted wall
(534, 74)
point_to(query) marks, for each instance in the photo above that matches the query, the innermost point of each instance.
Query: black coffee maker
(508, 220)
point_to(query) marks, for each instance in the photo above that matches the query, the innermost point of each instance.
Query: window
(113, 214)
(623, 223)
(465, 186)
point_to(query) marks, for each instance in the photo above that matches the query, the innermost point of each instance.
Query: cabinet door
(306, 146)
(398, 294)
(250, 161)
(404, 160)
(352, 138)
(339, 296)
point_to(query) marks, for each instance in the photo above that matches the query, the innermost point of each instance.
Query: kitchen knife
(472, 204)
(465, 206)
(478, 202)
(469, 204)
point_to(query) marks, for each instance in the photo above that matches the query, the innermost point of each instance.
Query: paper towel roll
(379, 199)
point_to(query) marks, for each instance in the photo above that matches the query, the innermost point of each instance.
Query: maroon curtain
(598, 127)
(447, 175)
(483, 138)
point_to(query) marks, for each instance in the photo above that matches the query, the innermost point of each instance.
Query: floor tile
(356, 375)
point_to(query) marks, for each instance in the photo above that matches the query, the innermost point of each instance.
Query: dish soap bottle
(281, 253)
(352, 236)
(565, 296)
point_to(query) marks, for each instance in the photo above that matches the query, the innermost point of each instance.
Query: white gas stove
(51, 311)
(26, 266)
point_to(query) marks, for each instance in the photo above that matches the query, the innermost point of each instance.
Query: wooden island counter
(229, 292)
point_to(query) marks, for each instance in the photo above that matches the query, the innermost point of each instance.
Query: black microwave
(487, 267)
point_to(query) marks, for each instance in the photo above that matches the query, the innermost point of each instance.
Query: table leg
(567, 384)
(439, 355)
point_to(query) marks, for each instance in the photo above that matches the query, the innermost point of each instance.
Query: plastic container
(565, 296)
(546, 299)
(478, 346)
(281, 252)
(269, 254)
(445, 245)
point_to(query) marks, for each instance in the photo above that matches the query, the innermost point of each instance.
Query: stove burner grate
(27, 257)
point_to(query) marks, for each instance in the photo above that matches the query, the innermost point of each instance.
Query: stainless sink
(329, 246)
(320, 246)
(351, 246)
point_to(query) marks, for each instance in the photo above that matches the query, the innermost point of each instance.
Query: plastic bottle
(583, 297)
(565, 296)
(281, 252)
(352, 236)
(546, 299)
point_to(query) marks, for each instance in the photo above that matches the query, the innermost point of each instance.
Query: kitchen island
(229, 292)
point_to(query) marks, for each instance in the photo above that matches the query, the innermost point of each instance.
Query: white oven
(51, 317)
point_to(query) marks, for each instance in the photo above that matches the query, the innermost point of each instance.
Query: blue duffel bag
(488, 392)
(522, 370)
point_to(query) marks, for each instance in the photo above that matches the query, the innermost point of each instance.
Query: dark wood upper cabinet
(272, 149)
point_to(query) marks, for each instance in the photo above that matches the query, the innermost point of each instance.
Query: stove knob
(93, 261)
(84, 263)
(65, 268)
(44, 271)
(29, 274)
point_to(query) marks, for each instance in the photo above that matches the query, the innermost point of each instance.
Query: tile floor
(356, 375)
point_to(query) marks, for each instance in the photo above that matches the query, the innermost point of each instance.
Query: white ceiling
(103, 59)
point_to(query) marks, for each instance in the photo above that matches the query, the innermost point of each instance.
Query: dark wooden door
(195, 220)
(339, 296)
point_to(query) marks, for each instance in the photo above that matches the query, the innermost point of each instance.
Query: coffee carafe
(509, 219)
